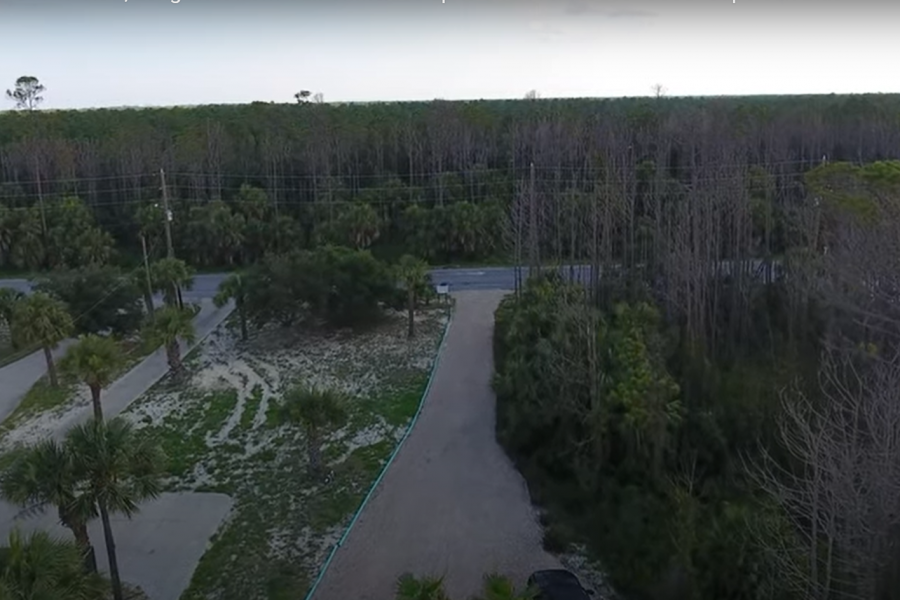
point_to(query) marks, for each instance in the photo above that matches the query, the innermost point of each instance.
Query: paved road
(489, 278)
(452, 503)
(459, 279)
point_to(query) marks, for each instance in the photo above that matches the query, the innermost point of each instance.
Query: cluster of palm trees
(100, 468)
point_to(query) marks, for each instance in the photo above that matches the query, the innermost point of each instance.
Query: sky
(109, 53)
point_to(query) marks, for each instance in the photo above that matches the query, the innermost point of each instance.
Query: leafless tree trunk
(843, 490)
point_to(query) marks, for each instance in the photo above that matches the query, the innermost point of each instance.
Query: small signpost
(442, 289)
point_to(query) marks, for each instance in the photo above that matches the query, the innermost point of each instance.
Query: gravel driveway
(452, 503)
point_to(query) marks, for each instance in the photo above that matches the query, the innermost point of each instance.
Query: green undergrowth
(226, 436)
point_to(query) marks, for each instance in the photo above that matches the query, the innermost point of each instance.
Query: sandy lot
(223, 435)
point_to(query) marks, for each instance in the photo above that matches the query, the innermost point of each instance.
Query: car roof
(559, 584)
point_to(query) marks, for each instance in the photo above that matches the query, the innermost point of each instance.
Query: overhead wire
(123, 280)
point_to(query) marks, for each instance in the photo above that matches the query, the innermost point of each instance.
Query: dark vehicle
(558, 584)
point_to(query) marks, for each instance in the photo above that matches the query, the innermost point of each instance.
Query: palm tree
(232, 287)
(499, 587)
(95, 360)
(170, 275)
(119, 470)
(425, 588)
(42, 320)
(412, 273)
(317, 411)
(359, 225)
(39, 567)
(44, 475)
(165, 327)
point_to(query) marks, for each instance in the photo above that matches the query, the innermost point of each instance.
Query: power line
(123, 279)
(269, 189)
(131, 177)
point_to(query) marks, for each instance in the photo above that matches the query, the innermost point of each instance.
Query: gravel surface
(452, 503)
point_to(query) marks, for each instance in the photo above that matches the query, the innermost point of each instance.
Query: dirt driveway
(452, 503)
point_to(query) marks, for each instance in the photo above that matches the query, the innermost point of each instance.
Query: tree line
(431, 177)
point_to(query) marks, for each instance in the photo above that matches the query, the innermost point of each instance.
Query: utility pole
(40, 191)
(147, 273)
(168, 215)
(532, 222)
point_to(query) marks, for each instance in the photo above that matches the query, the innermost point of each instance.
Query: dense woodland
(434, 177)
(715, 417)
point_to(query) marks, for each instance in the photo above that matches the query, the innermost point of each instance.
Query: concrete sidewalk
(17, 378)
(141, 378)
(157, 550)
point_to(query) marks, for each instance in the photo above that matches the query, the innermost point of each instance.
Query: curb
(387, 465)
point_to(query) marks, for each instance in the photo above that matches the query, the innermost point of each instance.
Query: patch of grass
(398, 407)
(183, 436)
(41, 397)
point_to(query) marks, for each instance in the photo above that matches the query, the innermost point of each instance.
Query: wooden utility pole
(40, 191)
(532, 223)
(168, 215)
(147, 273)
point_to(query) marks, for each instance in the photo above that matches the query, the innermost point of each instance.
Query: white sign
(442, 288)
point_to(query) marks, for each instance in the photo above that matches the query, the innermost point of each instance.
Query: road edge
(387, 465)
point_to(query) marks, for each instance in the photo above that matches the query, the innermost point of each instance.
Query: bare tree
(843, 495)
(658, 90)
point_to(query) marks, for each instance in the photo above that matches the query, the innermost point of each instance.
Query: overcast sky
(155, 52)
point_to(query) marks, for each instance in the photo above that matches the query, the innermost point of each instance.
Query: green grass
(40, 398)
(284, 521)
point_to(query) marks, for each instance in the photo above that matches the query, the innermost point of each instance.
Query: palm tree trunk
(411, 305)
(148, 302)
(51, 367)
(314, 451)
(111, 554)
(243, 317)
(82, 540)
(180, 299)
(95, 400)
(171, 295)
(173, 354)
